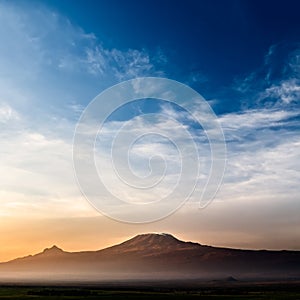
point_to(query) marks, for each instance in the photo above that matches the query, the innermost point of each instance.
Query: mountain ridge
(149, 238)
(155, 255)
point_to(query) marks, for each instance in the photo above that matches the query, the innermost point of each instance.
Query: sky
(243, 57)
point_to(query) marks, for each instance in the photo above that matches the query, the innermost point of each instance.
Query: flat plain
(211, 291)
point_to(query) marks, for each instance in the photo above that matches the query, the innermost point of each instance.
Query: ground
(275, 291)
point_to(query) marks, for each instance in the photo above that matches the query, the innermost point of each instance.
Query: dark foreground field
(211, 291)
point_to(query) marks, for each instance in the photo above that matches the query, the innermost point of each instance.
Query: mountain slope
(154, 256)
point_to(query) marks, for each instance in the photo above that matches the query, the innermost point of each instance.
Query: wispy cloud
(7, 114)
(276, 83)
(257, 119)
(43, 90)
(287, 91)
(58, 55)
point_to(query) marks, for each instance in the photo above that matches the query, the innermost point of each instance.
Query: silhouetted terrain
(154, 256)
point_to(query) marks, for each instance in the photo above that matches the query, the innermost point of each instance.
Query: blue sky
(242, 56)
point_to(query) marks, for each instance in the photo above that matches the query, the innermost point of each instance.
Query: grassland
(253, 292)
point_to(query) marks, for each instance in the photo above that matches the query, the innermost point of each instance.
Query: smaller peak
(53, 249)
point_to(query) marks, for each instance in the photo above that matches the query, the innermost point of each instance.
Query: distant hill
(154, 256)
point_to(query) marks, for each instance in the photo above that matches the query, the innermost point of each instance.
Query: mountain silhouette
(154, 256)
(53, 250)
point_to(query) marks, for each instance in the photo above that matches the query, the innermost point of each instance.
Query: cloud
(276, 83)
(37, 175)
(263, 160)
(8, 114)
(49, 70)
(120, 64)
(60, 64)
(60, 45)
(256, 119)
(262, 151)
(149, 155)
(287, 91)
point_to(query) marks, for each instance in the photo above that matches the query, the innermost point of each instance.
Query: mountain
(154, 256)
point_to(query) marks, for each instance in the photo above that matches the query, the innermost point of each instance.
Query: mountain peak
(52, 250)
(151, 241)
(154, 236)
